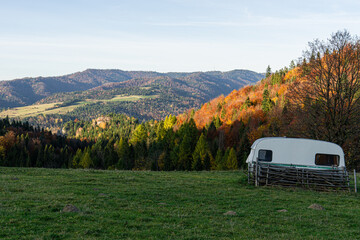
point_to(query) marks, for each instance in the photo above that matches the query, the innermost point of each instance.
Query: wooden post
(355, 186)
(267, 174)
(256, 172)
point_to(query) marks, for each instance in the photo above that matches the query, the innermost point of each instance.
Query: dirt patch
(230, 213)
(316, 207)
(70, 208)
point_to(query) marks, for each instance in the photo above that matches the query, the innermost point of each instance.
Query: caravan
(294, 161)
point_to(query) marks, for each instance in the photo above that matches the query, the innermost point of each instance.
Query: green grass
(131, 98)
(36, 109)
(49, 108)
(165, 205)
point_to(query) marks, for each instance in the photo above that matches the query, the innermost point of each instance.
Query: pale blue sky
(49, 38)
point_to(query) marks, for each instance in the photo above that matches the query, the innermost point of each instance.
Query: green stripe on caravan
(297, 166)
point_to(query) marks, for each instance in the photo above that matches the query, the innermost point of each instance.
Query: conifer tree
(174, 157)
(111, 157)
(268, 71)
(207, 163)
(76, 159)
(225, 160)
(218, 160)
(217, 122)
(122, 149)
(266, 102)
(139, 135)
(85, 161)
(201, 150)
(185, 157)
(140, 153)
(40, 158)
(231, 162)
(292, 65)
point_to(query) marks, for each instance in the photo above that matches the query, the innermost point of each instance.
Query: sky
(51, 38)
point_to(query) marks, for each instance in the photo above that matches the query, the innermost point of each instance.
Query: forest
(318, 98)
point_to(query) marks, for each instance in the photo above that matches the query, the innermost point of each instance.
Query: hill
(27, 91)
(259, 107)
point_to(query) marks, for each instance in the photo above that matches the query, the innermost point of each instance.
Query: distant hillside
(26, 91)
(257, 110)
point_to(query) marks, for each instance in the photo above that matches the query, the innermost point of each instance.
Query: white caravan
(297, 152)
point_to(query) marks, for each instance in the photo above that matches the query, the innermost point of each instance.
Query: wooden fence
(327, 179)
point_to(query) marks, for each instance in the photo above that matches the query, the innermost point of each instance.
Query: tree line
(120, 143)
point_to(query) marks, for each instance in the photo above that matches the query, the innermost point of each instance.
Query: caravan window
(265, 155)
(327, 159)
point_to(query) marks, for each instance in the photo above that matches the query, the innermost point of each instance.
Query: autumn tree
(328, 97)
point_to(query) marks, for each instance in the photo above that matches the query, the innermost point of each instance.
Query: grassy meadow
(50, 108)
(166, 205)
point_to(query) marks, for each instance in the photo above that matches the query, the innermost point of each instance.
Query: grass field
(33, 110)
(166, 205)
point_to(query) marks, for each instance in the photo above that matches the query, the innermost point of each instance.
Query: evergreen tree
(232, 162)
(169, 122)
(225, 160)
(196, 163)
(244, 145)
(140, 153)
(40, 158)
(174, 158)
(139, 135)
(76, 159)
(98, 155)
(2, 155)
(85, 161)
(217, 122)
(185, 156)
(218, 160)
(207, 163)
(201, 150)
(247, 103)
(168, 163)
(123, 152)
(111, 157)
(266, 102)
(268, 71)
(292, 65)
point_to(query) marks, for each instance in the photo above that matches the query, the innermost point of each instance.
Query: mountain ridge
(26, 91)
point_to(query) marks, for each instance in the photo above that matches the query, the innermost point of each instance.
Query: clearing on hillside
(52, 108)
